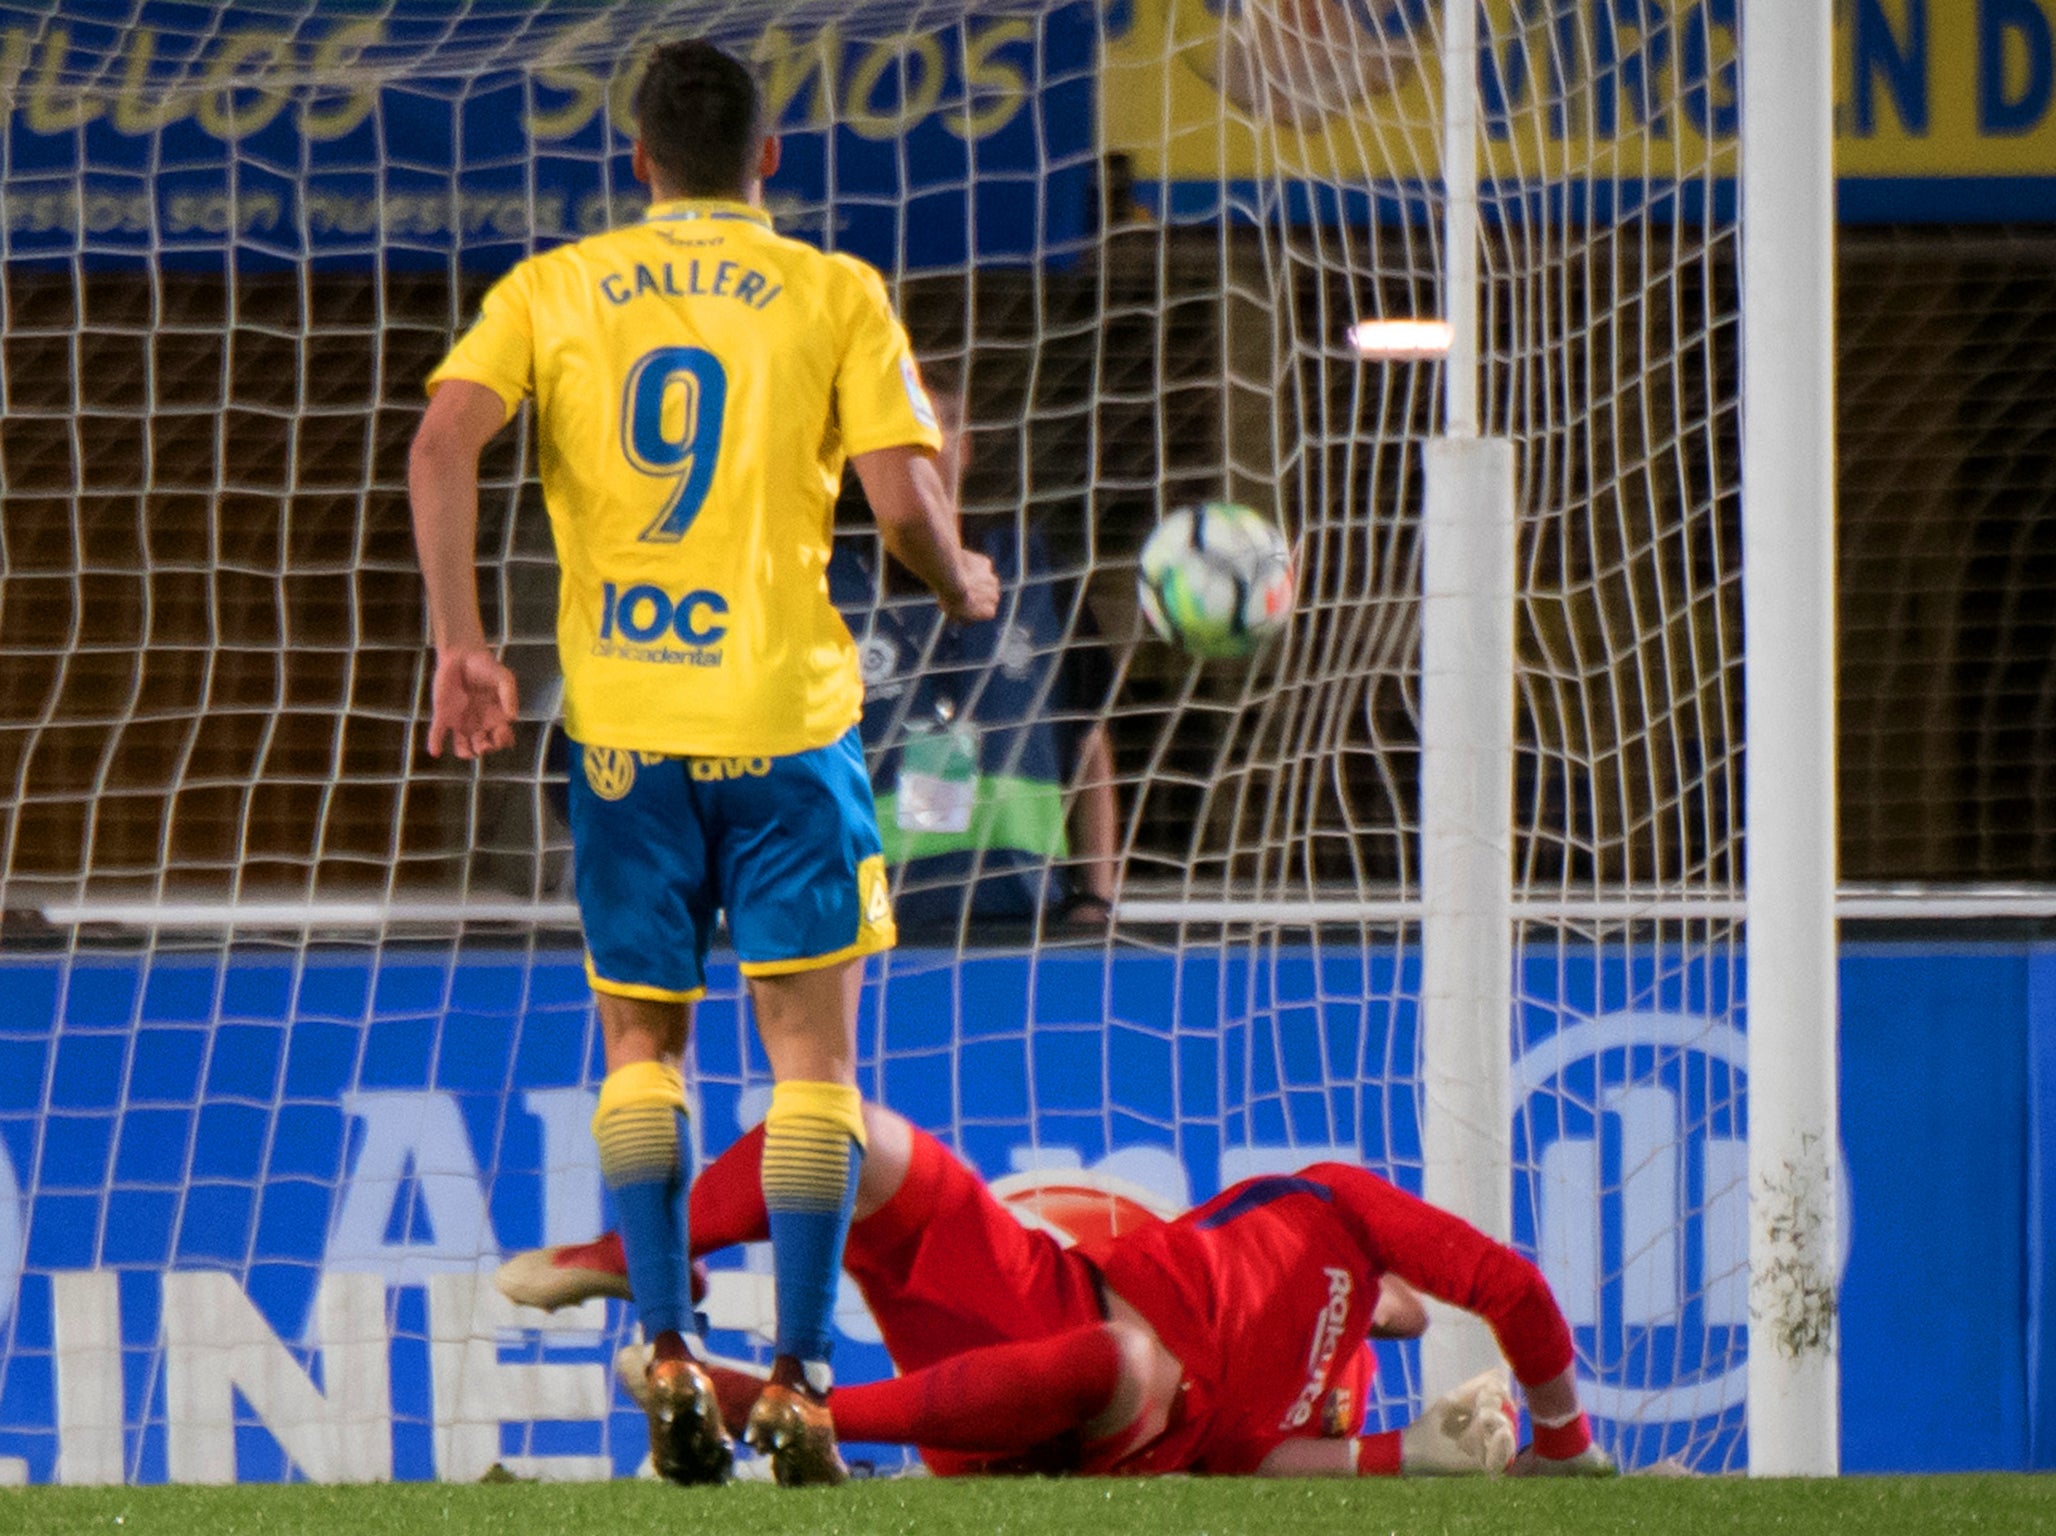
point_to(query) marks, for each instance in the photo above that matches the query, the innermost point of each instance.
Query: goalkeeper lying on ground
(1231, 1340)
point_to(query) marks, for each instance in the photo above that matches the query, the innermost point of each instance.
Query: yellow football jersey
(698, 382)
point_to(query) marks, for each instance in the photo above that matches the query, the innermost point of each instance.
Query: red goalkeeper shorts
(945, 1267)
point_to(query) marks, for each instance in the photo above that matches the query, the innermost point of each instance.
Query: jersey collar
(706, 208)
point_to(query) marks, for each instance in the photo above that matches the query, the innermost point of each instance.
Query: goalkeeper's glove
(1564, 1450)
(1467, 1432)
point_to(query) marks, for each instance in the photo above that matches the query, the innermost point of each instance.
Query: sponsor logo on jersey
(1320, 1354)
(642, 622)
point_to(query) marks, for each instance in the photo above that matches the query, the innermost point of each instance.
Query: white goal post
(1468, 682)
(1468, 533)
(1788, 606)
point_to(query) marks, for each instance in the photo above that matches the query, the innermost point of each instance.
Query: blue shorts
(788, 846)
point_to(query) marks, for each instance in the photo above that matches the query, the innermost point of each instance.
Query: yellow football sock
(807, 1136)
(637, 1123)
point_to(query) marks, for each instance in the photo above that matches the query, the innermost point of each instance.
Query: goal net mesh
(293, 1027)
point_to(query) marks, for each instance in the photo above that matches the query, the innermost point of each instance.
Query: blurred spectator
(986, 742)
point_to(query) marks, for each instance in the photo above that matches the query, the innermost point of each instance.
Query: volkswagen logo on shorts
(609, 772)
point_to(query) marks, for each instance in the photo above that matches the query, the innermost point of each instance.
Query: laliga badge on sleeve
(938, 778)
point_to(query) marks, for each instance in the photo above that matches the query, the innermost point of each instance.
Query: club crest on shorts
(609, 772)
(871, 890)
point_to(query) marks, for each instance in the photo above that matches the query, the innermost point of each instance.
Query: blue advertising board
(423, 131)
(249, 1205)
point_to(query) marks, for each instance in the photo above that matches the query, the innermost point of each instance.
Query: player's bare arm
(1095, 825)
(474, 701)
(917, 518)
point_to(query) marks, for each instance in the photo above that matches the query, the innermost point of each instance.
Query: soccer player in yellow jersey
(699, 382)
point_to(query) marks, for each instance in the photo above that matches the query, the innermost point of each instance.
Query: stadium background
(296, 582)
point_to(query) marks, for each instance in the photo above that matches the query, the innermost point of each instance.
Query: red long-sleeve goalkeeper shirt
(1265, 1295)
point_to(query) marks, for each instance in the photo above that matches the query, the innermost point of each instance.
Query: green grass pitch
(1929, 1506)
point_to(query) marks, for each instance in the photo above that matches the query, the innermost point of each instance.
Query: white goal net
(294, 1038)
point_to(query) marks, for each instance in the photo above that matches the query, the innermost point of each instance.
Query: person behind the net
(699, 384)
(1233, 1339)
(987, 742)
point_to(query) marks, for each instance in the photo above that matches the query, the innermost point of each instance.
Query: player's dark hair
(700, 118)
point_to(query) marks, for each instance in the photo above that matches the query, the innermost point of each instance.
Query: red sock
(1002, 1398)
(728, 1198)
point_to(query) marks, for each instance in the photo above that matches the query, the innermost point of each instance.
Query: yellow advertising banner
(1348, 90)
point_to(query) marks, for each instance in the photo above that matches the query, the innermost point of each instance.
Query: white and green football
(1216, 579)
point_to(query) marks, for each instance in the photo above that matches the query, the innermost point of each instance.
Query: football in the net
(1216, 579)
